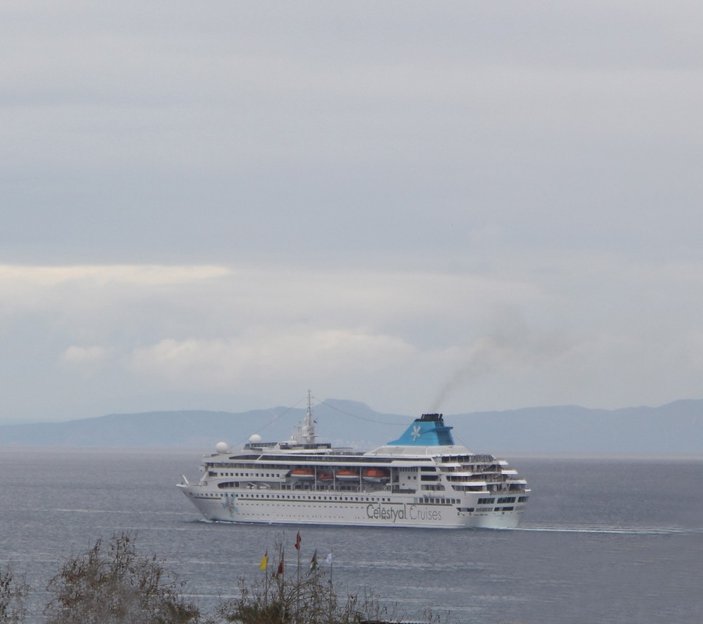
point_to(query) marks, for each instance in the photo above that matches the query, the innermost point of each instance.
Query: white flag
(328, 559)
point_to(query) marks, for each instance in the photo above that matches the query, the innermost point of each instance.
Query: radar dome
(254, 438)
(222, 447)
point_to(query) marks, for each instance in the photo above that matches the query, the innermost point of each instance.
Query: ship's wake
(612, 529)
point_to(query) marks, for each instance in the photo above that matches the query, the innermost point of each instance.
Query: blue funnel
(428, 430)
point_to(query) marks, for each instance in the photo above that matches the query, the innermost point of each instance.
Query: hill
(673, 429)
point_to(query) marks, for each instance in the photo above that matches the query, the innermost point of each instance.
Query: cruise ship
(422, 479)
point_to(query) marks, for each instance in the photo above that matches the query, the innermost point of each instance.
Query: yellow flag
(264, 561)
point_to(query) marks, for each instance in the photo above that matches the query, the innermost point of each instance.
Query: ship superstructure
(422, 479)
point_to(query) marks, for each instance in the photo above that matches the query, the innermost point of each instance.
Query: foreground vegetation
(112, 583)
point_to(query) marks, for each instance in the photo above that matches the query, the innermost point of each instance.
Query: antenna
(308, 429)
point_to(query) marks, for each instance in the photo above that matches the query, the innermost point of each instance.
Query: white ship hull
(362, 511)
(420, 480)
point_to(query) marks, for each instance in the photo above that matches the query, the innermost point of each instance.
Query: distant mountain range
(675, 429)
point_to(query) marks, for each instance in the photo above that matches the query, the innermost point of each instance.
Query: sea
(602, 540)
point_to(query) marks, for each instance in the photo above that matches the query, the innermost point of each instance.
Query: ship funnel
(428, 430)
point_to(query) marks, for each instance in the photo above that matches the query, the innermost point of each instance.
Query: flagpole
(266, 580)
(331, 558)
(297, 584)
(264, 567)
(281, 575)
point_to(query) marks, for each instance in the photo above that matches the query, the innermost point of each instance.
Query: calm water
(602, 540)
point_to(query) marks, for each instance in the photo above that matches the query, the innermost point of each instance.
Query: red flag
(297, 541)
(279, 572)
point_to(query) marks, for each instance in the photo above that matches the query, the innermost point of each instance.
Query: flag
(313, 561)
(328, 559)
(279, 570)
(297, 541)
(264, 561)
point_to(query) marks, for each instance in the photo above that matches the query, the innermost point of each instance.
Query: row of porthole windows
(298, 506)
(242, 474)
(357, 499)
(472, 509)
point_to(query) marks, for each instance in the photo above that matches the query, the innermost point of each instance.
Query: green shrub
(13, 593)
(115, 585)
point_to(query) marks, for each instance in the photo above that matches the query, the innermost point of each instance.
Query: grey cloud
(409, 149)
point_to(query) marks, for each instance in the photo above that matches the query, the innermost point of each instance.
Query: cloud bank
(241, 337)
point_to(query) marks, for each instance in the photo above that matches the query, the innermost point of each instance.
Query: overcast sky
(446, 205)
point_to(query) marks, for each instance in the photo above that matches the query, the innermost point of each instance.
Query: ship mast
(308, 428)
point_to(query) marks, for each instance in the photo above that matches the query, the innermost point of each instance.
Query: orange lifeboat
(302, 473)
(375, 475)
(325, 476)
(347, 474)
